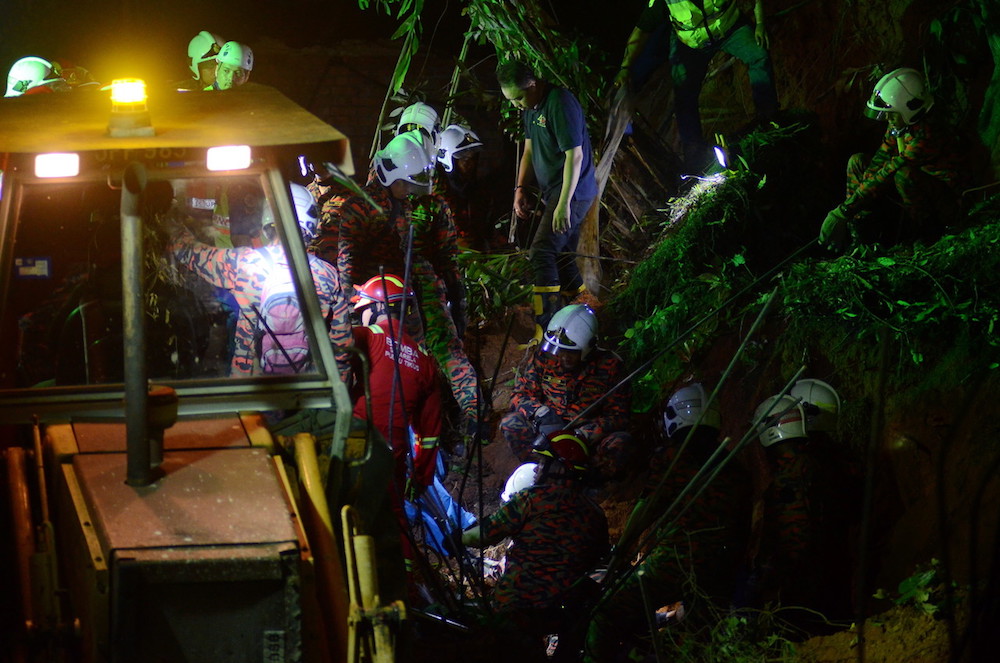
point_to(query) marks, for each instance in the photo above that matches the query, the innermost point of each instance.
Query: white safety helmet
(419, 116)
(902, 91)
(404, 158)
(203, 47)
(236, 54)
(820, 402)
(521, 478)
(785, 420)
(573, 327)
(454, 140)
(305, 211)
(28, 72)
(686, 406)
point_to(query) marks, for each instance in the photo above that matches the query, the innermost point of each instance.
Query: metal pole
(133, 320)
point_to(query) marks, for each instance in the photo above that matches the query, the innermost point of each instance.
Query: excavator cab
(155, 512)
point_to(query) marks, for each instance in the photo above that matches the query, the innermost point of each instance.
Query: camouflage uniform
(243, 272)
(368, 239)
(568, 393)
(703, 550)
(329, 198)
(918, 164)
(435, 237)
(558, 535)
(788, 538)
(435, 240)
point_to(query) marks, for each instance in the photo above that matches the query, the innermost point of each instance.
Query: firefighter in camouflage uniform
(559, 534)
(370, 238)
(698, 548)
(916, 162)
(435, 239)
(458, 178)
(442, 291)
(245, 270)
(791, 539)
(567, 375)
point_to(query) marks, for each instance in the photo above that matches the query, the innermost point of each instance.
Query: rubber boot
(545, 300)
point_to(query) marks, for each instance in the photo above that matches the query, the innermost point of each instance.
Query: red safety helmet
(568, 449)
(376, 288)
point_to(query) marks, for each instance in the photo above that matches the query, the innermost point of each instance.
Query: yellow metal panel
(257, 432)
(77, 121)
(86, 565)
(61, 439)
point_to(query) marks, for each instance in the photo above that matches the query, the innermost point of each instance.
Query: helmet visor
(557, 340)
(421, 178)
(210, 54)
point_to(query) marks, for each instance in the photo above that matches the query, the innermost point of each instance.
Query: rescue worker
(245, 271)
(786, 566)
(372, 234)
(434, 233)
(202, 50)
(416, 402)
(697, 549)
(458, 165)
(558, 158)
(233, 66)
(568, 374)
(424, 118)
(915, 161)
(330, 193)
(76, 77)
(404, 388)
(558, 535)
(33, 75)
(519, 479)
(689, 33)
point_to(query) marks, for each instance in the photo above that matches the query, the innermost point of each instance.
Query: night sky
(114, 38)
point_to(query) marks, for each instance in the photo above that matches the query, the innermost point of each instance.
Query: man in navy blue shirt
(558, 158)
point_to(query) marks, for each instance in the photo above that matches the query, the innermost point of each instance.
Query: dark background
(114, 38)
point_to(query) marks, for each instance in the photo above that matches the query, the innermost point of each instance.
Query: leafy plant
(923, 295)
(694, 267)
(408, 12)
(748, 635)
(923, 590)
(494, 282)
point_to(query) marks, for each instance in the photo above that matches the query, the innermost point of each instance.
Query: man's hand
(544, 417)
(560, 217)
(833, 232)
(472, 536)
(760, 35)
(522, 204)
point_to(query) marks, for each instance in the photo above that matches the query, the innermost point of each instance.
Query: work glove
(833, 232)
(546, 421)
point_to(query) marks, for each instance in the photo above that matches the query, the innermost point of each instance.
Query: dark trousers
(553, 255)
(690, 65)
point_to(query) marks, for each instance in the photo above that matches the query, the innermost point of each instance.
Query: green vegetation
(930, 299)
(494, 282)
(923, 590)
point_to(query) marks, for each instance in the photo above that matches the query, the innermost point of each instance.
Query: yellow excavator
(162, 505)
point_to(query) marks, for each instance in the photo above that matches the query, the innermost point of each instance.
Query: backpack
(281, 340)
